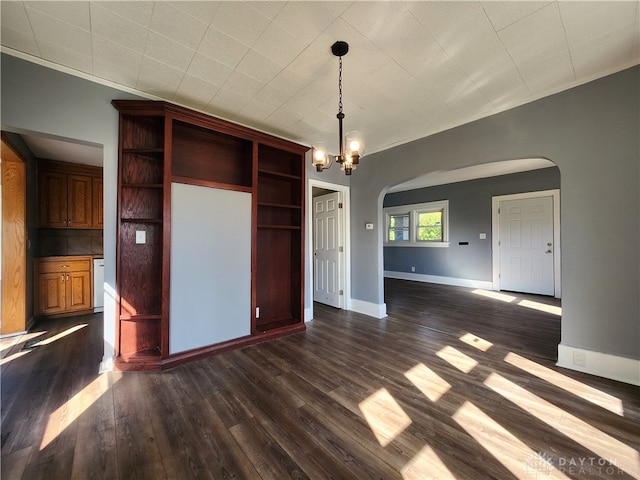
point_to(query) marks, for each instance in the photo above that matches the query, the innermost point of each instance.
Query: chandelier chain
(349, 157)
(340, 85)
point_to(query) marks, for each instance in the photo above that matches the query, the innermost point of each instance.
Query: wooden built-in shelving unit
(162, 143)
(140, 266)
(280, 219)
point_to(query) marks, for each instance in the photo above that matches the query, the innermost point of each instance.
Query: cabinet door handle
(64, 266)
(62, 278)
(67, 278)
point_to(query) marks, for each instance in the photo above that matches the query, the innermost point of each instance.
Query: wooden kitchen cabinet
(97, 206)
(67, 194)
(63, 285)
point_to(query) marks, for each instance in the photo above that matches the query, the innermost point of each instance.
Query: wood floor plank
(96, 437)
(354, 425)
(138, 455)
(267, 456)
(189, 431)
(231, 407)
(13, 465)
(451, 384)
(355, 457)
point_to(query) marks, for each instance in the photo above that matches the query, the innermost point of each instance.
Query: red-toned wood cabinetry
(161, 143)
(279, 256)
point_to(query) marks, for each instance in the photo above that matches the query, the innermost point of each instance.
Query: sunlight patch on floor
(476, 342)
(60, 335)
(495, 295)
(604, 446)
(542, 307)
(505, 447)
(71, 410)
(7, 343)
(455, 357)
(13, 356)
(503, 297)
(432, 385)
(593, 395)
(386, 418)
(426, 464)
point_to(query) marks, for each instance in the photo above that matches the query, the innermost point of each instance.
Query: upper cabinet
(67, 195)
(173, 228)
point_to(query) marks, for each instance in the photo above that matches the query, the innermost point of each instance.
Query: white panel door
(326, 248)
(526, 245)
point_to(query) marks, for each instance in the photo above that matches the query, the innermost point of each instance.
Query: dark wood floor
(452, 384)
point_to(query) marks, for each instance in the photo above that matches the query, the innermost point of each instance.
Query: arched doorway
(465, 256)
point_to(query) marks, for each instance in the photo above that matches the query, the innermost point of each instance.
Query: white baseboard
(456, 282)
(621, 369)
(308, 314)
(106, 365)
(377, 310)
(14, 334)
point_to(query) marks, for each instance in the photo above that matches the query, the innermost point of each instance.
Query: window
(429, 226)
(399, 227)
(418, 225)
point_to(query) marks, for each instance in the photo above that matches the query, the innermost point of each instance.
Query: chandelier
(352, 149)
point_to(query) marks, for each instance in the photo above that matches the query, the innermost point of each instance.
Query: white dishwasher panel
(98, 284)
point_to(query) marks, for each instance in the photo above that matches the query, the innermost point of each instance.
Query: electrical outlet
(580, 359)
(413, 269)
(141, 237)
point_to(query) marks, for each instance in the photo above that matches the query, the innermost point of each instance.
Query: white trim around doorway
(345, 272)
(495, 234)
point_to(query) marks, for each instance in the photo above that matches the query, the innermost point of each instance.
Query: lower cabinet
(63, 285)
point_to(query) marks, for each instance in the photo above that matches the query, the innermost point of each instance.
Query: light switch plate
(141, 236)
(483, 236)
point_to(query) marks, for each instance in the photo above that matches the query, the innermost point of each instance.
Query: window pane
(429, 228)
(399, 227)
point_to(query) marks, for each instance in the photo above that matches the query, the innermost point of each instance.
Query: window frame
(413, 211)
(402, 213)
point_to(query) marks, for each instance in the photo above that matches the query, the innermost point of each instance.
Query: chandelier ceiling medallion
(352, 149)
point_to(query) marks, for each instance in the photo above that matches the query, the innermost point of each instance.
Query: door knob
(548, 251)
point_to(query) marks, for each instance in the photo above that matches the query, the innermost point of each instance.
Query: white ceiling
(64, 150)
(485, 170)
(413, 69)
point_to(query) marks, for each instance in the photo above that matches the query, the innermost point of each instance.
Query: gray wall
(591, 133)
(44, 101)
(469, 215)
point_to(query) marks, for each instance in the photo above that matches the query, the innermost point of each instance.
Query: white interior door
(326, 249)
(526, 245)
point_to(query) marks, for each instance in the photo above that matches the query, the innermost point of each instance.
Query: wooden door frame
(345, 268)
(339, 214)
(14, 300)
(495, 234)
